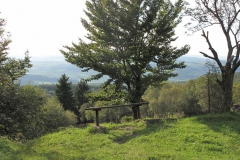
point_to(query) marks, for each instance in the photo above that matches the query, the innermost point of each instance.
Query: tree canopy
(130, 42)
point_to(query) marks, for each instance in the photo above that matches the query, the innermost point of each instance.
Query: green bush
(20, 111)
(55, 116)
(126, 119)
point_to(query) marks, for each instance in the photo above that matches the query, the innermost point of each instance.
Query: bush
(20, 111)
(55, 116)
(126, 119)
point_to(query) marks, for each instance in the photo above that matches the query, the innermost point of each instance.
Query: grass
(201, 137)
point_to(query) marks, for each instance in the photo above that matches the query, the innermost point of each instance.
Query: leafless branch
(211, 49)
(206, 55)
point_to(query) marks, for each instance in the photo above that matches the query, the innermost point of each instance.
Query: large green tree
(226, 15)
(130, 42)
(65, 95)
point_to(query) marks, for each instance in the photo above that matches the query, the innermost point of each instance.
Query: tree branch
(211, 49)
(206, 55)
(235, 67)
(236, 46)
(234, 18)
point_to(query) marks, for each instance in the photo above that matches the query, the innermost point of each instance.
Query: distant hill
(48, 70)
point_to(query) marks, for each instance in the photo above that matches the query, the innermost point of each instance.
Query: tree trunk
(136, 112)
(137, 98)
(227, 84)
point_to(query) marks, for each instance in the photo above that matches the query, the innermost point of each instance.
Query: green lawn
(202, 137)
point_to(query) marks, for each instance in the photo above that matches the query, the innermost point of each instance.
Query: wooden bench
(96, 109)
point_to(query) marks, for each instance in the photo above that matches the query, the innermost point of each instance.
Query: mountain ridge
(47, 70)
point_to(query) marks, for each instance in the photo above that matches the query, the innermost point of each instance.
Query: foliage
(10, 68)
(82, 88)
(165, 101)
(83, 114)
(126, 119)
(194, 97)
(236, 93)
(55, 116)
(201, 137)
(27, 113)
(237, 77)
(224, 14)
(110, 94)
(65, 95)
(130, 42)
(191, 106)
(21, 112)
(208, 85)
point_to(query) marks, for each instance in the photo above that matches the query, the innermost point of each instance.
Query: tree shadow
(224, 123)
(124, 133)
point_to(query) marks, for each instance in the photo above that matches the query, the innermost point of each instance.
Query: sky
(43, 27)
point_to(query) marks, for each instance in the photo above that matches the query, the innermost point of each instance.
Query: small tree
(65, 95)
(80, 93)
(191, 106)
(225, 14)
(130, 42)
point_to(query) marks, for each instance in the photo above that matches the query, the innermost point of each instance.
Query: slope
(202, 137)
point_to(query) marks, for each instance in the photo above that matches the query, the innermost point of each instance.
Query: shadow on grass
(26, 150)
(224, 122)
(51, 155)
(123, 133)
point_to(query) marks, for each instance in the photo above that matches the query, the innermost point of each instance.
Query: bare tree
(225, 14)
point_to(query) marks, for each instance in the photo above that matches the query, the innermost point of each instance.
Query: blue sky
(43, 27)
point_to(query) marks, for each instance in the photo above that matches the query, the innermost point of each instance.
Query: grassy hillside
(203, 137)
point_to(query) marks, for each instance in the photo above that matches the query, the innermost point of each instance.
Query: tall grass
(202, 137)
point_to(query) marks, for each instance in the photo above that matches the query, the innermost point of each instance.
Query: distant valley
(49, 70)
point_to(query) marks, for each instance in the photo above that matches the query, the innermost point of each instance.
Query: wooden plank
(122, 105)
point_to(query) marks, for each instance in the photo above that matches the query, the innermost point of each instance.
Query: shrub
(55, 116)
(126, 119)
(20, 111)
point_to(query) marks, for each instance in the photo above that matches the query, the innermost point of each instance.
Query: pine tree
(81, 89)
(65, 95)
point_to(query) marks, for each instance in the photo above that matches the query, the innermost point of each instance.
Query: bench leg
(97, 118)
